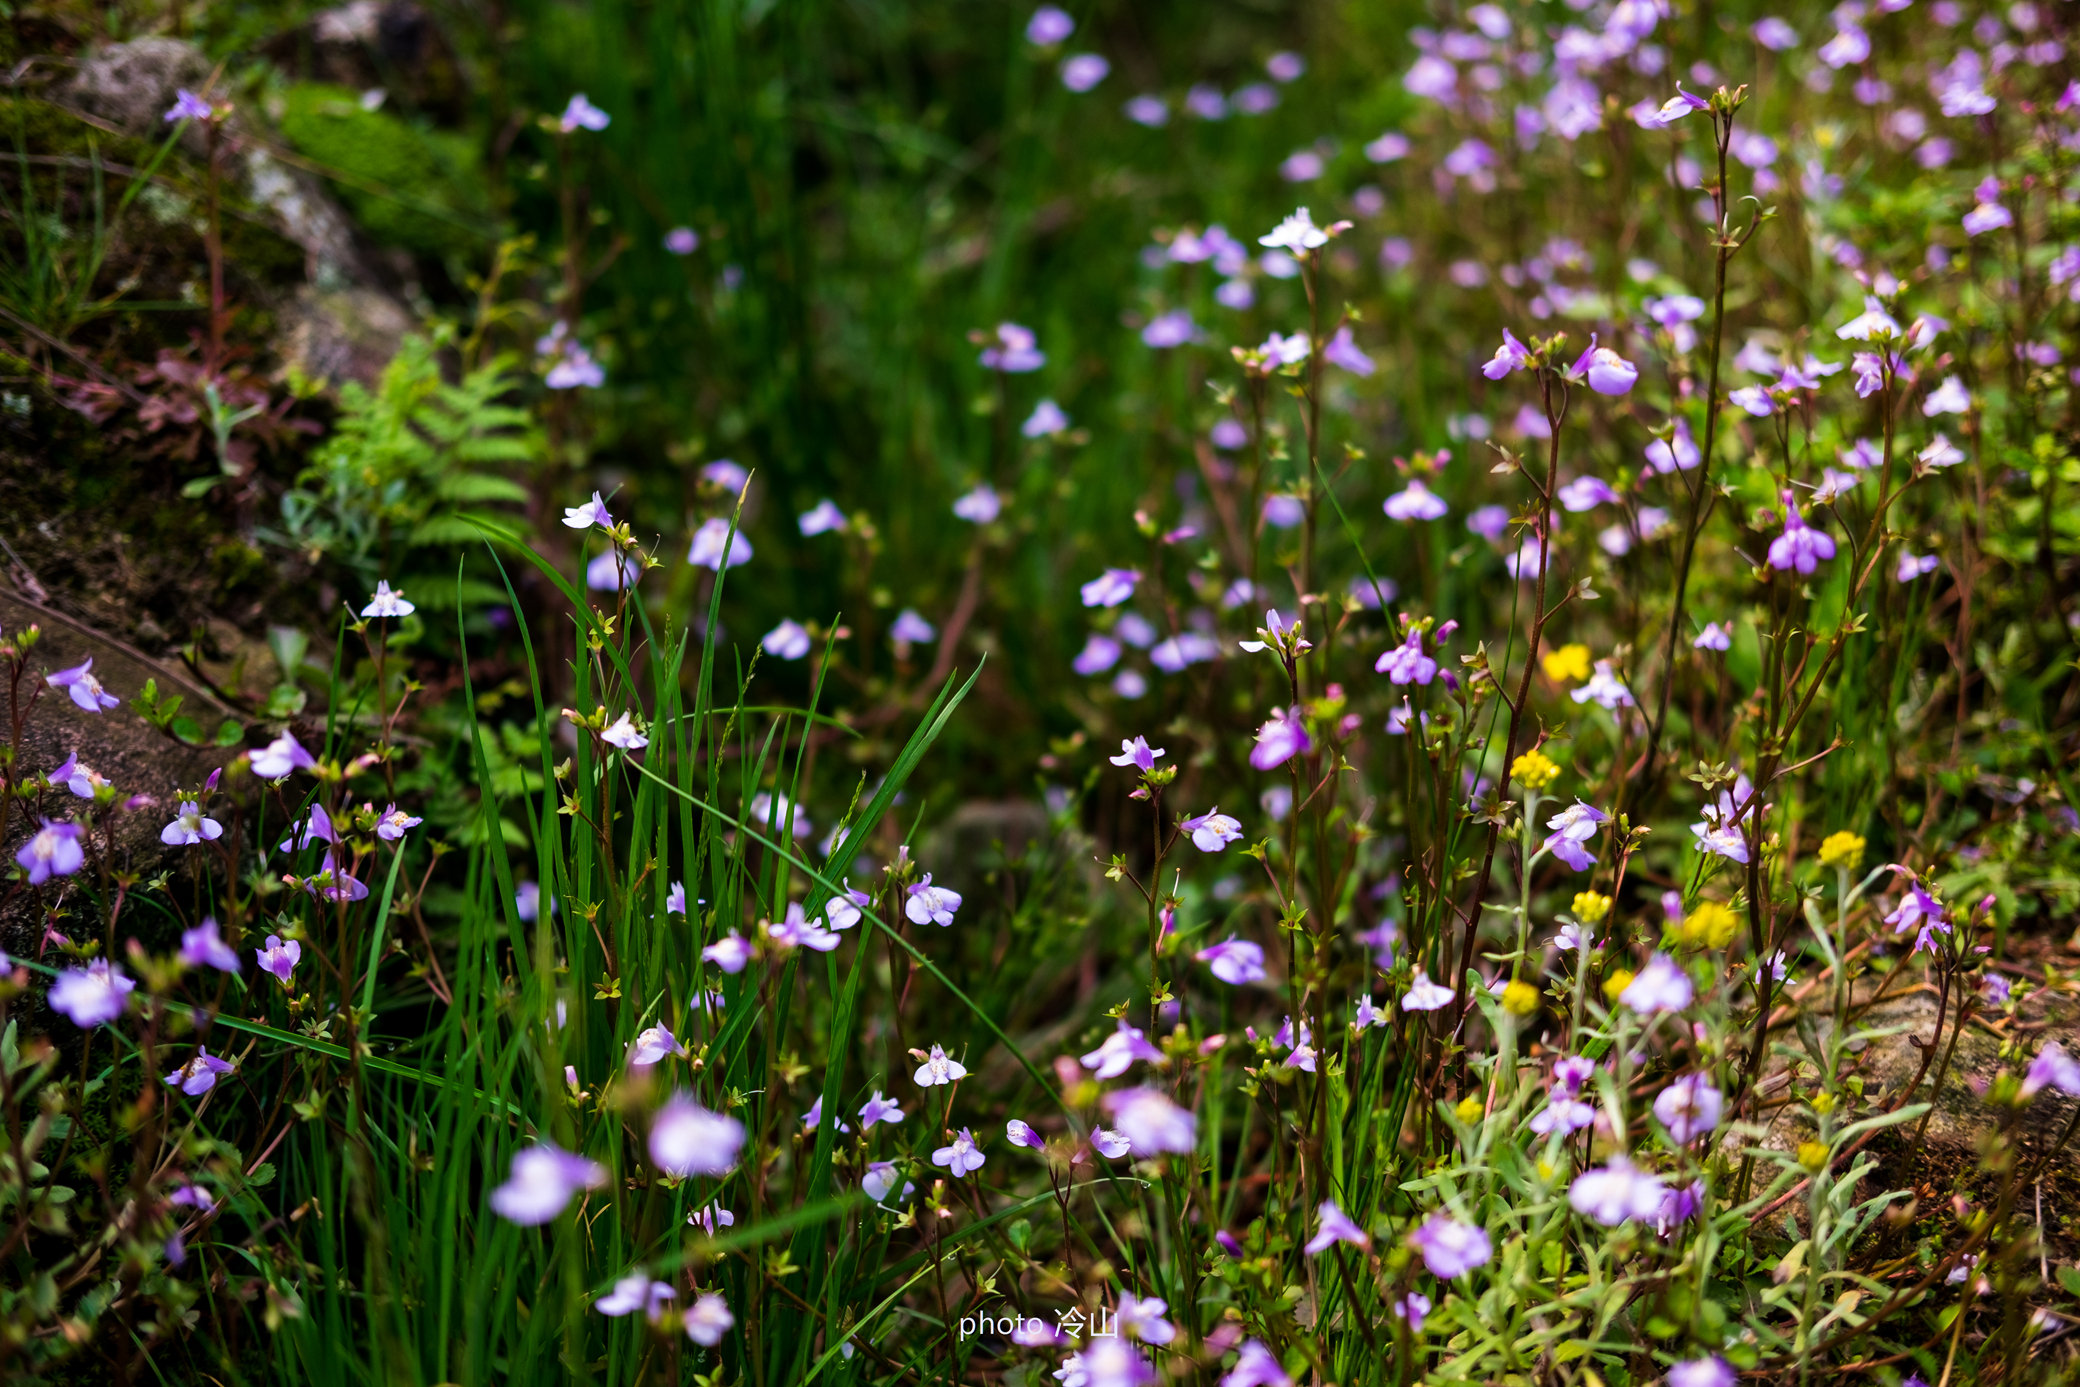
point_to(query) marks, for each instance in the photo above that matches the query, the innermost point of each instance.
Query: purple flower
(1678, 452)
(188, 106)
(1045, 421)
(1143, 1319)
(938, 1070)
(1713, 637)
(1573, 827)
(593, 512)
(1941, 453)
(787, 641)
(1412, 1307)
(1172, 329)
(1234, 961)
(1605, 689)
(1150, 111)
(1332, 1226)
(1562, 1114)
(686, 1139)
(1680, 105)
(1150, 1122)
(1137, 753)
(316, 827)
(1512, 355)
(727, 475)
(821, 518)
(1048, 25)
(1406, 663)
(979, 506)
(651, 1045)
(1689, 1107)
(1110, 1144)
(1019, 1134)
(1425, 995)
(1083, 71)
(1616, 1193)
(388, 601)
(1014, 351)
(911, 629)
(1774, 34)
(52, 851)
(1607, 372)
(1281, 738)
(83, 688)
(1119, 1052)
(1918, 907)
(1450, 1248)
(279, 958)
(91, 996)
(581, 114)
(1948, 398)
(392, 823)
(633, 1293)
(1661, 986)
(1847, 48)
(1213, 830)
(622, 733)
(1099, 654)
(1297, 234)
(682, 240)
(1342, 350)
(280, 757)
(1285, 66)
(190, 827)
(931, 905)
(2053, 1068)
(199, 1075)
(709, 1320)
(1110, 588)
(963, 1156)
(334, 882)
(574, 369)
(543, 1181)
(1995, 989)
(879, 1109)
(712, 541)
(1415, 502)
(1800, 546)
(1586, 493)
(1255, 1366)
(1708, 1371)
(203, 946)
(1912, 566)
(613, 571)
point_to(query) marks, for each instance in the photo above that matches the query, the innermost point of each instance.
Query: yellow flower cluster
(1590, 907)
(1843, 850)
(1534, 770)
(1569, 662)
(1710, 924)
(1520, 999)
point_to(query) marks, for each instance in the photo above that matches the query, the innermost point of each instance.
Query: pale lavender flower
(1342, 350)
(543, 1181)
(1150, 1122)
(622, 733)
(1213, 830)
(1586, 493)
(1912, 566)
(188, 106)
(316, 826)
(1137, 753)
(1873, 322)
(1143, 1319)
(1182, 650)
(709, 1320)
(1110, 1144)
(980, 505)
(729, 953)
(910, 629)
(1450, 1248)
(1660, 986)
(879, 1109)
(1617, 1193)
(1573, 827)
(1689, 1108)
(83, 688)
(334, 882)
(1045, 421)
(675, 899)
(1099, 654)
(1995, 989)
(1049, 25)
(1110, 1363)
(880, 1178)
(392, 823)
(1512, 355)
(575, 369)
(1332, 1226)
(1283, 511)
(1680, 105)
(821, 519)
(82, 781)
(1172, 329)
(2052, 1068)
(1800, 546)
(1406, 663)
(388, 601)
(1708, 1371)
(199, 1075)
(91, 996)
(1562, 1114)
(653, 1044)
(726, 475)
(1606, 371)
(682, 240)
(1388, 148)
(939, 1069)
(1285, 66)
(1015, 351)
(633, 1293)
(190, 827)
(581, 114)
(1425, 995)
(1774, 34)
(1988, 213)
(1019, 1134)
(787, 641)
(1948, 398)
(1847, 48)
(1282, 737)
(1110, 588)
(686, 1139)
(931, 905)
(204, 946)
(1941, 453)
(1255, 1366)
(527, 901)
(1234, 961)
(1416, 501)
(961, 1157)
(52, 851)
(593, 512)
(1713, 637)
(280, 757)
(1120, 1050)
(713, 541)
(1297, 234)
(1604, 688)
(1083, 71)
(1149, 111)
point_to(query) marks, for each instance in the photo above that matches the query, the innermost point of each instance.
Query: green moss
(420, 189)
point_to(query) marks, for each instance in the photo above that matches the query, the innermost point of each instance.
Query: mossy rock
(433, 198)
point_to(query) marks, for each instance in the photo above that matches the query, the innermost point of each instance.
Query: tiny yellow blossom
(1710, 924)
(1616, 983)
(1470, 1110)
(1520, 999)
(1590, 907)
(1567, 663)
(1534, 770)
(1823, 1103)
(1813, 1155)
(1843, 850)
(1546, 1170)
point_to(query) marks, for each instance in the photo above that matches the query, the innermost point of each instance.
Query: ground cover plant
(1291, 695)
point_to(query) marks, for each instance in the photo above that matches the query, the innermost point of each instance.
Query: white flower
(593, 512)
(622, 733)
(938, 1069)
(388, 601)
(1299, 234)
(1948, 398)
(190, 827)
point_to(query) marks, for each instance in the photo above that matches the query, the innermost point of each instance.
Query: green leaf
(230, 732)
(187, 730)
